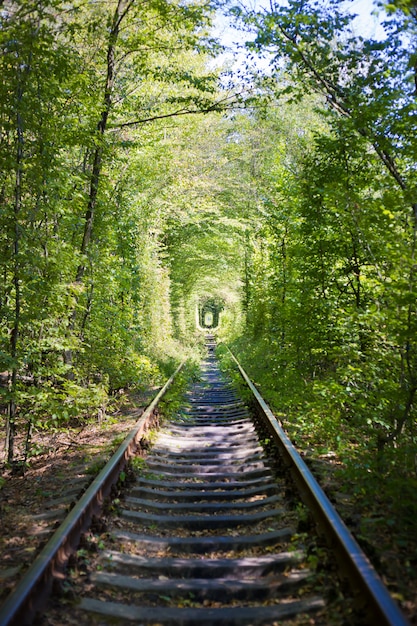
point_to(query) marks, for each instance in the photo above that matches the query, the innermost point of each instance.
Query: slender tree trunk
(14, 335)
(87, 310)
(28, 442)
(284, 286)
(120, 13)
(247, 294)
(122, 8)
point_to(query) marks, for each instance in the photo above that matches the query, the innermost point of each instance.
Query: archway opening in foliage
(209, 311)
(208, 319)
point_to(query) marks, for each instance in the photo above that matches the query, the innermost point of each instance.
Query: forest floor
(390, 546)
(70, 459)
(33, 504)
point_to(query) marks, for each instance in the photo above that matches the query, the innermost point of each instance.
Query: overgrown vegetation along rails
(82, 456)
(291, 204)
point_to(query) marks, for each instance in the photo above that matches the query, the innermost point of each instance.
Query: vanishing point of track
(204, 533)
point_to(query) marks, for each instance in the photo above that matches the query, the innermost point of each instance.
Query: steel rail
(363, 578)
(35, 586)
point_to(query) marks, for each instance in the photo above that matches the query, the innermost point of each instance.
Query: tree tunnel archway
(209, 313)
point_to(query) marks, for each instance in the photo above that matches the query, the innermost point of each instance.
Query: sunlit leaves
(69, 74)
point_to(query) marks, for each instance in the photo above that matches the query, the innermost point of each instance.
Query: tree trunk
(14, 335)
(122, 9)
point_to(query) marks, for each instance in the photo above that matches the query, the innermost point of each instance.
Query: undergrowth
(373, 488)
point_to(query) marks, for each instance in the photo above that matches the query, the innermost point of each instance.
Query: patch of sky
(368, 23)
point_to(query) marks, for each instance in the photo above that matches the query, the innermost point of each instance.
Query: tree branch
(334, 97)
(216, 107)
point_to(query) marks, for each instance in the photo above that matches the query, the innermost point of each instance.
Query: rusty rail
(35, 586)
(363, 578)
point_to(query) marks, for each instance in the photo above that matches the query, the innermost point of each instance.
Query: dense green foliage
(85, 293)
(331, 293)
(122, 211)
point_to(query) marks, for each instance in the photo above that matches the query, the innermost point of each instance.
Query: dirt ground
(32, 505)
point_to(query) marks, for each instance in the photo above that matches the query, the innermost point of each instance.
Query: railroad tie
(203, 536)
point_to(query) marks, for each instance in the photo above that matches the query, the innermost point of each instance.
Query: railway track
(204, 533)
